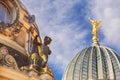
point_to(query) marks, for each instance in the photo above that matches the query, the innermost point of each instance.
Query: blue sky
(66, 22)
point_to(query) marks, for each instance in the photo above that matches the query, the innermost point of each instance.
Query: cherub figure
(45, 50)
(38, 60)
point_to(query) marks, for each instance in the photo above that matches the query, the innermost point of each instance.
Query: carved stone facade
(19, 40)
(6, 59)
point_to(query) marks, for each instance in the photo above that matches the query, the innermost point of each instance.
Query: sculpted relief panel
(6, 59)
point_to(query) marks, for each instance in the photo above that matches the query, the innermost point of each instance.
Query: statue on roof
(38, 60)
(41, 58)
(46, 50)
(95, 25)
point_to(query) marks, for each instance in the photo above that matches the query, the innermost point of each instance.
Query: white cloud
(51, 17)
(109, 12)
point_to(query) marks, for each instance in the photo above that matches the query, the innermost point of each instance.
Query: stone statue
(45, 50)
(38, 60)
(35, 44)
(31, 18)
(43, 56)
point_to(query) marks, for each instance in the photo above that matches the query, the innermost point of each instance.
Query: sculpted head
(47, 40)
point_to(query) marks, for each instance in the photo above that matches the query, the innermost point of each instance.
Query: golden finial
(95, 25)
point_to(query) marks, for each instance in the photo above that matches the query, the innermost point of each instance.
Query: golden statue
(95, 25)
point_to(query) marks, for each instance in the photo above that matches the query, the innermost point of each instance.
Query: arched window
(9, 12)
(4, 14)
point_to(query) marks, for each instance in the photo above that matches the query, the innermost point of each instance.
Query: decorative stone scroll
(6, 59)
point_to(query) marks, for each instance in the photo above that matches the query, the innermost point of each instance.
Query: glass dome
(4, 14)
(94, 63)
